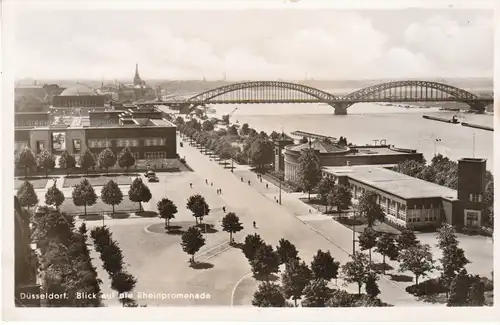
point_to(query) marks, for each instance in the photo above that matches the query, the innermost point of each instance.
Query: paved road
(275, 222)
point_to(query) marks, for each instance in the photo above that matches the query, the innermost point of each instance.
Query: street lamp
(280, 175)
(436, 140)
(354, 232)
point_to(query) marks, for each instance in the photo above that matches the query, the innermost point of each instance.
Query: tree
(387, 247)
(406, 239)
(324, 266)
(106, 159)
(84, 195)
(179, 120)
(26, 195)
(268, 295)
(295, 278)
(261, 152)
(139, 192)
(231, 224)
(357, 270)
(54, 196)
(446, 236)
(207, 125)
(371, 287)
(369, 209)
(418, 260)
(167, 210)
(452, 262)
(476, 296)
(274, 135)
(325, 186)
(265, 261)
(244, 129)
(123, 282)
(340, 197)
(198, 206)
(126, 158)
(191, 241)
(317, 293)
(286, 251)
(232, 130)
(87, 161)
(46, 161)
(67, 161)
(111, 194)
(25, 159)
(459, 289)
(251, 245)
(309, 171)
(367, 240)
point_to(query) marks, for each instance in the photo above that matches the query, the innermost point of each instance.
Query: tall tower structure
(137, 79)
(471, 186)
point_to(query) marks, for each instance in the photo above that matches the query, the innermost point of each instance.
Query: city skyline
(317, 44)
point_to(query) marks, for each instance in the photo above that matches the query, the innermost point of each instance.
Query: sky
(255, 44)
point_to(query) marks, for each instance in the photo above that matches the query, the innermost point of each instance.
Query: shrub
(428, 287)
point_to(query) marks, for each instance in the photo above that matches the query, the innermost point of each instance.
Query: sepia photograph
(262, 156)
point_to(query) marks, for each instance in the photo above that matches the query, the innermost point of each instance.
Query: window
(475, 198)
(392, 207)
(77, 145)
(155, 155)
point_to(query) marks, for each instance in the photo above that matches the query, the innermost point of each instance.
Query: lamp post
(354, 232)
(436, 140)
(280, 175)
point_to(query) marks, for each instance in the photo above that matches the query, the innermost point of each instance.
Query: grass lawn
(97, 180)
(37, 182)
(99, 207)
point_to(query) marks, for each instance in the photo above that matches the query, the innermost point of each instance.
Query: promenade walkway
(280, 221)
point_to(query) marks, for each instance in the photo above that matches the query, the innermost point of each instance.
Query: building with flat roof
(334, 154)
(414, 203)
(78, 99)
(148, 136)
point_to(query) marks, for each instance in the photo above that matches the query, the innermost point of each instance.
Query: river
(365, 122)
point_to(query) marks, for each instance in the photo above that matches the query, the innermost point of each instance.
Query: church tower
(137, 79)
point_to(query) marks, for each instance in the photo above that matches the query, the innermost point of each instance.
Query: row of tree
(84, 194)
(25, 159)
(302, 281)
(65, 262)
(112, 259)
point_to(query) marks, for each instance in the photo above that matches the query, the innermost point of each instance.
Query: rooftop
(393, 182)
(79, 90)
(320, 145)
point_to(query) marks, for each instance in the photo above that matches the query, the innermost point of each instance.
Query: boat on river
(453, 120)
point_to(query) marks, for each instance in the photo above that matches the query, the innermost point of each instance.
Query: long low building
(148, 138)
(335, 154)
(414, 203)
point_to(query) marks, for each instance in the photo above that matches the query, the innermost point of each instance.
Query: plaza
(222, 273)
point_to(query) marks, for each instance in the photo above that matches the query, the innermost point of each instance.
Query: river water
(365, 122)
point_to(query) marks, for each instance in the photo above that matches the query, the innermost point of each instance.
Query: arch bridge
(257, 92)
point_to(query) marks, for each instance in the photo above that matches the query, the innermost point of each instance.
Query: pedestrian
(249, 182)
(206, 181)
(309, 210)
(254, 225)
(241, 179)
(191, 185)
(267, 185)
(220, 191)
(224, 209)
(261, 179)
(211, 184)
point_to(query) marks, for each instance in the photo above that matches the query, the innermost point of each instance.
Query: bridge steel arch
(458, 94)
(320, 95)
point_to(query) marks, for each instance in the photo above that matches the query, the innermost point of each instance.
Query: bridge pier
(340, 108)
(479, 108)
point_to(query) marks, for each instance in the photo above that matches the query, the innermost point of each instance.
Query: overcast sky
(255, 44)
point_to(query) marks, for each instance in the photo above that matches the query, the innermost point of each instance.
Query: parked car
(149, 173)
(153, 179)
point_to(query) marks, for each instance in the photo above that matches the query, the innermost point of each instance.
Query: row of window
(105, 143)
(103, 122)
(155, 155)
(31, 123)
(475, 198)
(155, 142)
